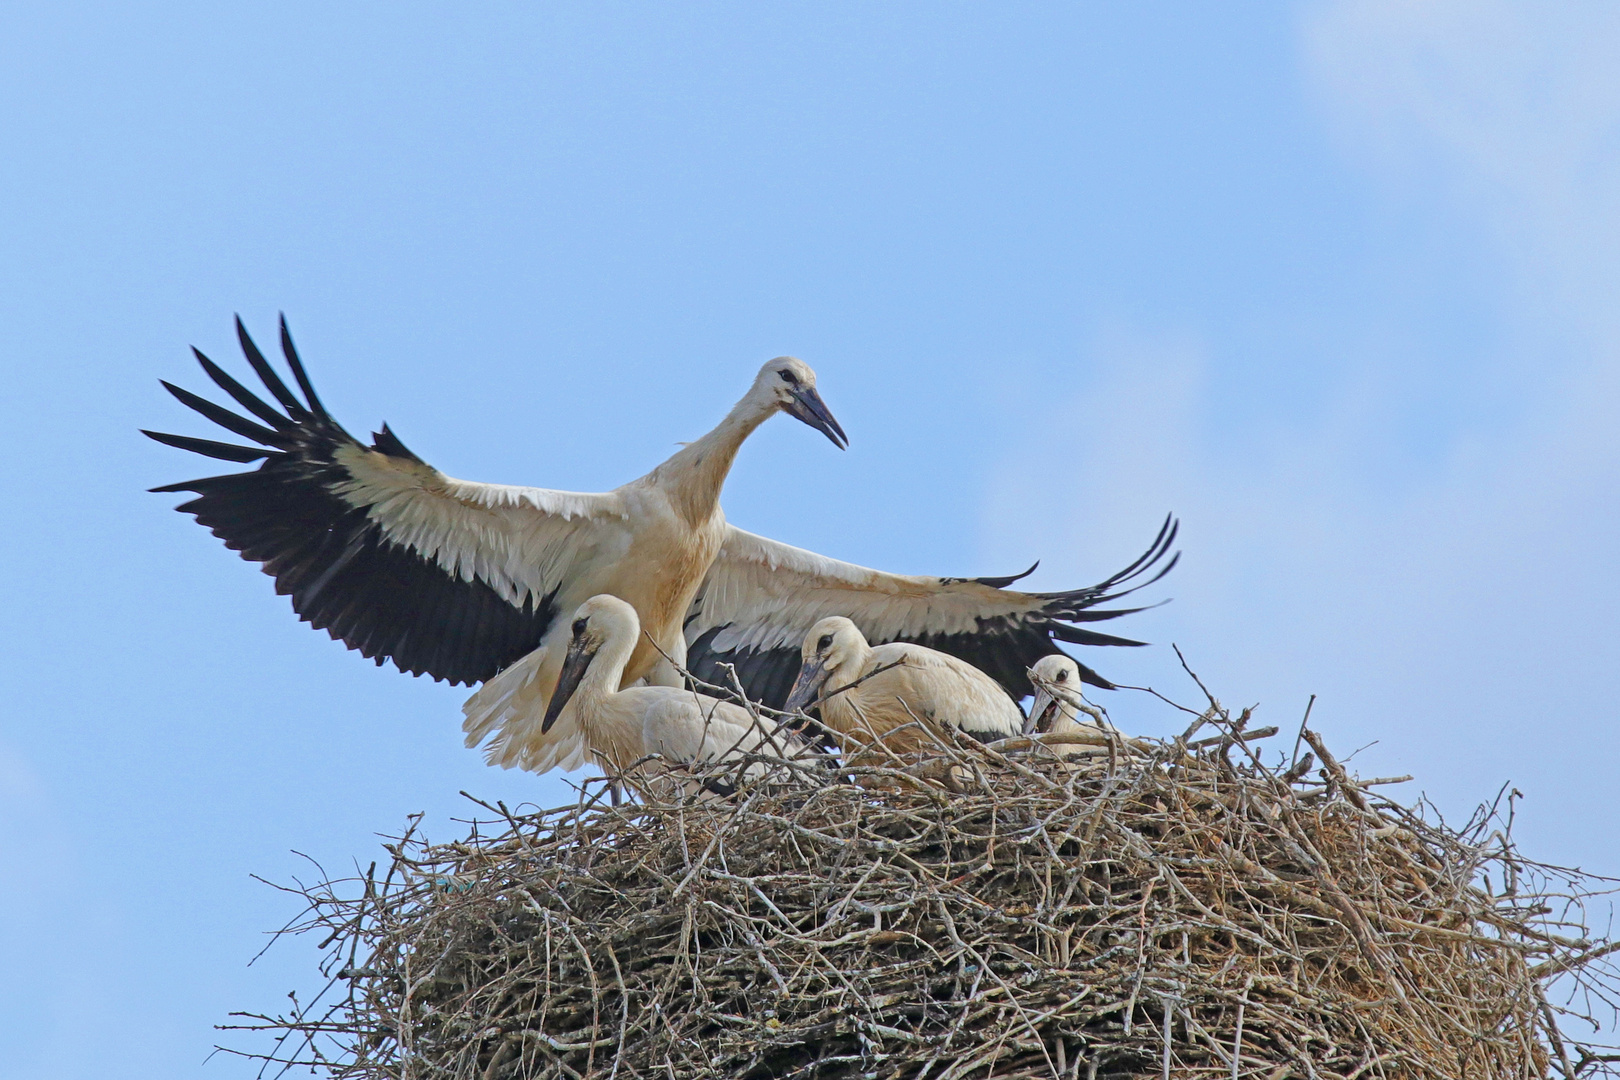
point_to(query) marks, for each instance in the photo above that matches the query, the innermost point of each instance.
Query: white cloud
(1509, 110)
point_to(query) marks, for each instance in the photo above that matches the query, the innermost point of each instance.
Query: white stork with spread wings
(460, 580)
(457, 579)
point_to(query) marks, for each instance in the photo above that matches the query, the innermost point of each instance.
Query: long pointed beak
(573, 670)
(805, 688)
(1042, 711)
(808, 407)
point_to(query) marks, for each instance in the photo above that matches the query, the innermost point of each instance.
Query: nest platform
(1144, 909)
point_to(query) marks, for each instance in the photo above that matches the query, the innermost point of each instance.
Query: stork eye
(579, 627)
(788, 377)
(825, 643)
(1062, 676)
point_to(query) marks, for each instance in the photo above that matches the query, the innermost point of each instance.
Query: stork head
(788, 383)
(833, 646)
(598, 622)
(1057, 692)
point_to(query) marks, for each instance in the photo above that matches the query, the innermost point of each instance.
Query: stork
(1058, 701)
(621, 727)
(891, 693)
(460, 580)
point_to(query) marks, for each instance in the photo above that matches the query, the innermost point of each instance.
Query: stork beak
(805, 688)
(808, 407)
(573, 669)
(1041, 714)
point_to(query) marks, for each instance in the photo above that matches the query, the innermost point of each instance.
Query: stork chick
(892, 693)
(622, 727)
(1058, 703)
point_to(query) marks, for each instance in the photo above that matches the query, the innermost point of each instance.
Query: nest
(1131, 908)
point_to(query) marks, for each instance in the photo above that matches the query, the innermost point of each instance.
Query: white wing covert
(761, 597)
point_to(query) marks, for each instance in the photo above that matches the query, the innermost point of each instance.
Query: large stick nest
(1146, 909)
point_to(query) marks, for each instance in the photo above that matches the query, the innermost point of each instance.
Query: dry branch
(1161, 910)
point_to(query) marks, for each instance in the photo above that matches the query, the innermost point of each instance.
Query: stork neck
(602, 678)
(851, 665)
(694, 476)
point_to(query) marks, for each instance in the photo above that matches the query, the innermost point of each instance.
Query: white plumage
(649, 543)
(894, 693)
(621, 727)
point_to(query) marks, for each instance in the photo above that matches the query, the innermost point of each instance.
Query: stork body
(471, 582)
(1059, 706)
(620, 727)
(670, 533)
(891, 693)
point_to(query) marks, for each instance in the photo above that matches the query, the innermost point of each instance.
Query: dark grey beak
(808, 685)
(808, 407)
(573, 669)
(1041, 712)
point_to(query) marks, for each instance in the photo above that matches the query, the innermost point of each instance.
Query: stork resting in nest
(1059, 703)
(625, 727)
(898, 694)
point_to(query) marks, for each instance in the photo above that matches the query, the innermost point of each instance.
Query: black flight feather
(343, 574)
(267, 374)
(297, 366)
(1077, 636)
(244, 397)
(207, 448)
(222, 416)
(1003, 582)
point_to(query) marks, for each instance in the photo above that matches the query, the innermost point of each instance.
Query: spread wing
(388, 555)
(761, 597)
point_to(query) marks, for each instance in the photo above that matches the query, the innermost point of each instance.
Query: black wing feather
(388, 443)
(267, 374)
(207, 448)
(244, 397)
(994, 582)
(1003, 582)
(222, 416)
(343, 574)
(297, 366)
(766, 674)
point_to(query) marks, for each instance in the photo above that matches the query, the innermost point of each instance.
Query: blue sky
(1336, 282)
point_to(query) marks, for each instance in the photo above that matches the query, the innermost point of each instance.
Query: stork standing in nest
(472, 582)
(893, 694)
